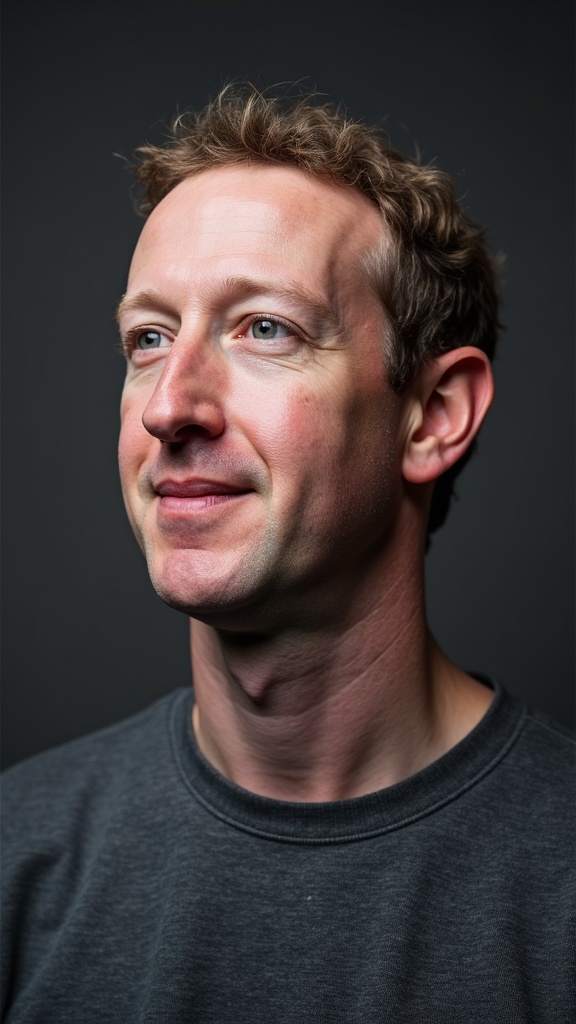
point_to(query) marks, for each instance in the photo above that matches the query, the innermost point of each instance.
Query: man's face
(260, 447)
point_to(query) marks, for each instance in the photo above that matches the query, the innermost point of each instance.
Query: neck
(333, 712)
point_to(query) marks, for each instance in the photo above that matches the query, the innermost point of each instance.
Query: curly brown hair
(436, 280)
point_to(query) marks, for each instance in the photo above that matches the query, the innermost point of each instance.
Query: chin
(207, 587)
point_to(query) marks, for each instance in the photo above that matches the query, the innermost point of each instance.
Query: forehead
(274, 216)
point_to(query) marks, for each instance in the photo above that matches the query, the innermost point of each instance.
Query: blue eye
(151, 339)
(267, 330)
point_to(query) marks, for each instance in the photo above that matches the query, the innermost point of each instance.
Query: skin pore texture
(279, 488)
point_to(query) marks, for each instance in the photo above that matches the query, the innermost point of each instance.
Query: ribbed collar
(362, 817)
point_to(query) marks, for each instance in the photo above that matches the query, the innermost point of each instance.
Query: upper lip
(196, 487)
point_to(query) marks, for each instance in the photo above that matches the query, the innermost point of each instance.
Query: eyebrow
(142, 300)
(323, 315)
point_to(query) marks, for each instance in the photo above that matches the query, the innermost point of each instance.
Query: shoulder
(49, 791)
(524, 803)
(543, 766)
(516, 736)
(546, 749)
(535, 756)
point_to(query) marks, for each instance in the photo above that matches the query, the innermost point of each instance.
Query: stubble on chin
(209, 585)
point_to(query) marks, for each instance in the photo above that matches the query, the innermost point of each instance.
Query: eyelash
(130, 337)
(255, 317)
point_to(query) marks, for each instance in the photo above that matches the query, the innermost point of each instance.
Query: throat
(332, 716)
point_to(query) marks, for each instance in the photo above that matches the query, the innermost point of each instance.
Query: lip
(185, 498)
(197, 487)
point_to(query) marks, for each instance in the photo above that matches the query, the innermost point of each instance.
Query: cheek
(134, 439)
(288, 430)
(335, 441)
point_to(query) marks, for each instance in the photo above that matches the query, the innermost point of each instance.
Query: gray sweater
(141, 886)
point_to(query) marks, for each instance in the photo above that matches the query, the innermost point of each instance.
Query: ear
(447, 405)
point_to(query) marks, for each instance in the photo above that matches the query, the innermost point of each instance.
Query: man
(342, 825)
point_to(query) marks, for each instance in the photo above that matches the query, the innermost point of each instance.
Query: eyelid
(129, 337)
(273, 318)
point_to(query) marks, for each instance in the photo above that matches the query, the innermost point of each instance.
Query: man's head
(431, 270)
(273, 422)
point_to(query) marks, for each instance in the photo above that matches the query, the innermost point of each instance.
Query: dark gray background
(485, 89)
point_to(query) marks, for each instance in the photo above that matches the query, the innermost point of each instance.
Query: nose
(187, 400)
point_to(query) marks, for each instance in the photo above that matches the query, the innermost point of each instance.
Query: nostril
(177, 422)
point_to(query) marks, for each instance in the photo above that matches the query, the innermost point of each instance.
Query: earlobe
(449, 401)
